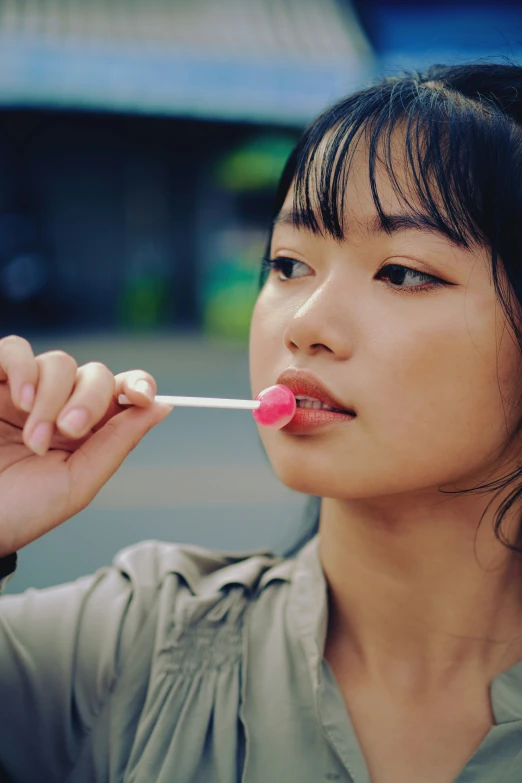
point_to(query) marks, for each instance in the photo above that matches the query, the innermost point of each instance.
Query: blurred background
(140, 146)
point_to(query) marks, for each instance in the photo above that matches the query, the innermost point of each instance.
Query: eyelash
(277, 264)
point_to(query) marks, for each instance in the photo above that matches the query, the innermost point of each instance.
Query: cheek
(266, 344)
(437, 404)
(436, 386)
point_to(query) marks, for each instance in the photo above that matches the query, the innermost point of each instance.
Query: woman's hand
(62, 435)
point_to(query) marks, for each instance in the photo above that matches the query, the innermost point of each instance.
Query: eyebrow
(372, 226)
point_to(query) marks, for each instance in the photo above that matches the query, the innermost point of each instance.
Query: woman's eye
(400, 277)
(288, 268)
(404, 277)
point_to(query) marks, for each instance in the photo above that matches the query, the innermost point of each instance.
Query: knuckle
(14, 341)
(63, 357)
(99, 381)
(99, 368)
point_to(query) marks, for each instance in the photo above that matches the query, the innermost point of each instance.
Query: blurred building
(140, 142)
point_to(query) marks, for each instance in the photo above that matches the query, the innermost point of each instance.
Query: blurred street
(200, 477)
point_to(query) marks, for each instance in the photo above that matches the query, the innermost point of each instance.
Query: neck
(417, 589)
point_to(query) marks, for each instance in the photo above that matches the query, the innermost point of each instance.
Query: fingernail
(40, 439)
(74, 422)
(27, 397)
(143, 387)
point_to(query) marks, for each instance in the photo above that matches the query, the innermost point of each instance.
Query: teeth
(311, 403)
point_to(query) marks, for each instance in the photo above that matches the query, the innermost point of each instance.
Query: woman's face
(431, 371)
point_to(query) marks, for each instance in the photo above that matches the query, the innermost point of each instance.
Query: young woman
(389, 649)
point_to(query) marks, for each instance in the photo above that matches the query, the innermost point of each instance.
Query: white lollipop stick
(273, 407)
(200, 402)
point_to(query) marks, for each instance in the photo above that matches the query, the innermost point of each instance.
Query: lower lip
(307, 419)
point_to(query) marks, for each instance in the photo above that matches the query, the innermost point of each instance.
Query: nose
(320, 324)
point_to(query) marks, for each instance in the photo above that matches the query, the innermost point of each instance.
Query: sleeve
(60, 651)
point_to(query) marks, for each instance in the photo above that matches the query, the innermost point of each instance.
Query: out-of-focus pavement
(199, 477)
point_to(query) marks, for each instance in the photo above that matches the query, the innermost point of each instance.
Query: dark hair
(462, 129)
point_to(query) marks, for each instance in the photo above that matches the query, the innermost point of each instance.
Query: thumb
(93, 464)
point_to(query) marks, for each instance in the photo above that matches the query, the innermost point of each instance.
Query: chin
(308, 479)
(300, 483)
(299, 469)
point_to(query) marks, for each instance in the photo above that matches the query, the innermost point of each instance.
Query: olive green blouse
(185, 665)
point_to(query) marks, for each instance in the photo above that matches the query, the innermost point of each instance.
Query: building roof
(254, 60)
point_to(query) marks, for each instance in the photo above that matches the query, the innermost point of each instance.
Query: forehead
(342, 182)
(349, 178)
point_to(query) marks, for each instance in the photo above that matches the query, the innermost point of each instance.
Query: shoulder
(203, 570)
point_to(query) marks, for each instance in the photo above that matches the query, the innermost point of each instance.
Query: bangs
(446, 156)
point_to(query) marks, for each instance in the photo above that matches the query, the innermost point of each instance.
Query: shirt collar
(506, 695)
(309, 611)
(308, 603)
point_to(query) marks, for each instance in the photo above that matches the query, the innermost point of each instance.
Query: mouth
(311, 394)
(311, 403)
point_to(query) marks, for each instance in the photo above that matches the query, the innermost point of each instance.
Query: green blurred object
(230, 287)
(256, 165)
(143, 303)
(230, 299)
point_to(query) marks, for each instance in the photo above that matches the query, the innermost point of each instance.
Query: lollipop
(277, 407)
(273, 407)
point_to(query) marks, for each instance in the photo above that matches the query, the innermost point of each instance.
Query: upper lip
(304, 382)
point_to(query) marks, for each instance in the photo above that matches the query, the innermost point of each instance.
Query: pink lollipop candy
(273, 407)
(277, 407)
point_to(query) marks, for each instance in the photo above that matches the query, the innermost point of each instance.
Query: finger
(139, 386)
(18, 366)
(101, 455)
(57, 376)
(142, 397)
(9, 413)
(89, 402)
